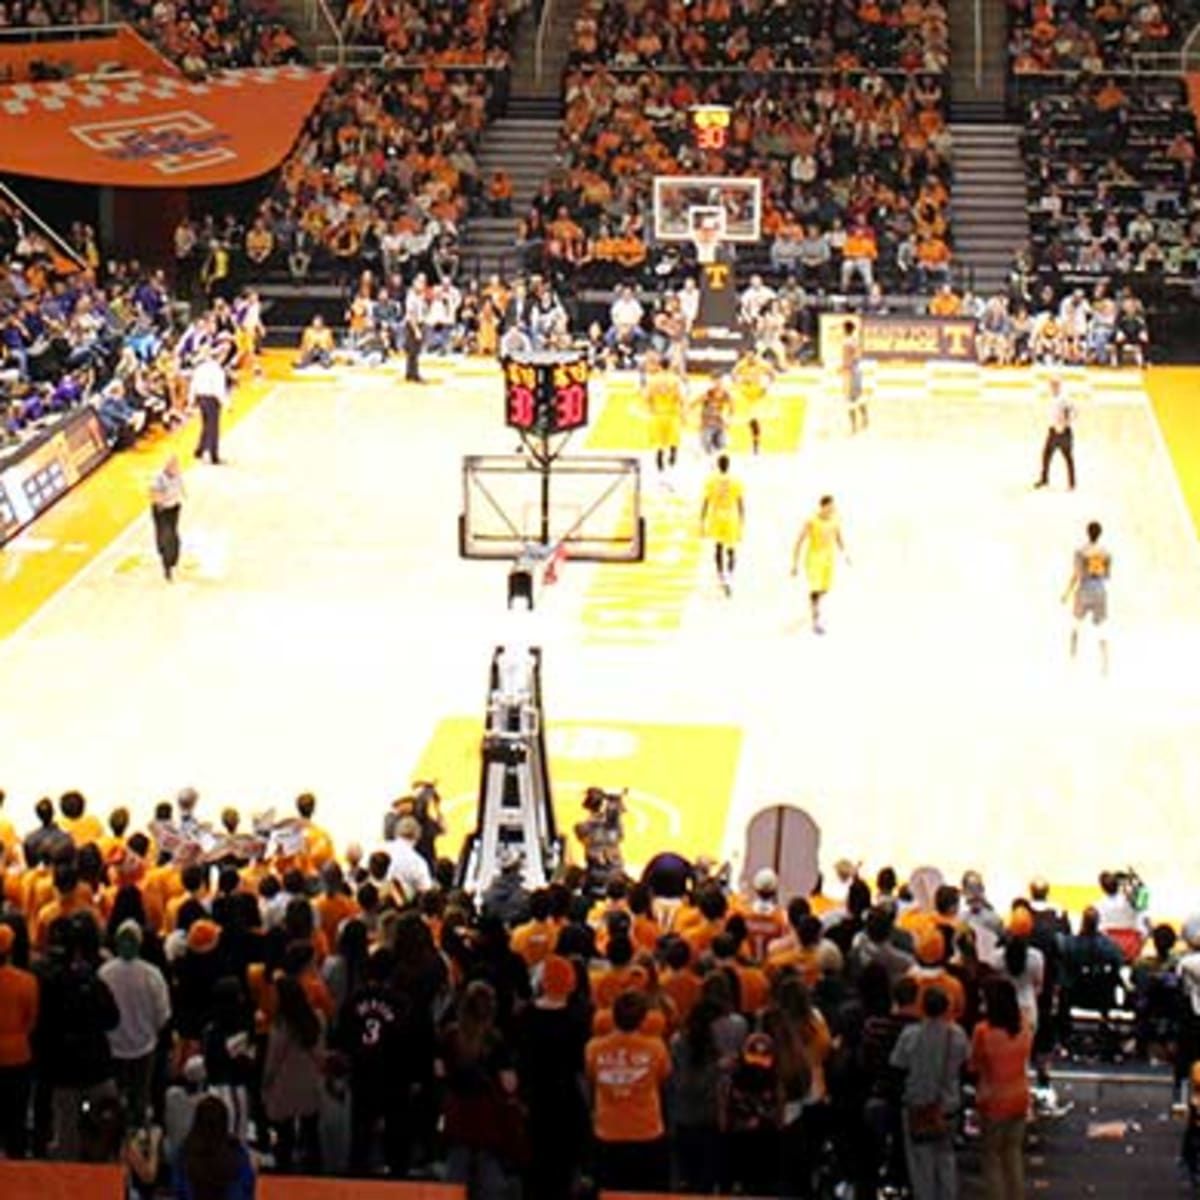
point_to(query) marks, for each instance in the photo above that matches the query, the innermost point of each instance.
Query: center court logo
(173, 143)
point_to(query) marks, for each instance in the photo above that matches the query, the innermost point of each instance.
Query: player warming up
(818, 540)
(721, 518)
(852, 380)
(752, 377)
(663, 392)
(1089, 587)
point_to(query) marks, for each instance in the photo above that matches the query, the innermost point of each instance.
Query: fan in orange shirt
(72, 895)
(627, 1070)
(82, 826)
(535, 940)
(112, 844)
(945, 303)
(335, 904)
(931, 973)
(18, 1016)
(619, 976)
(804, 956)
(753, 984)
(679, 981)
(713, 909)
(765, 917)
(933, 258)
(318, 845)
(10, 842)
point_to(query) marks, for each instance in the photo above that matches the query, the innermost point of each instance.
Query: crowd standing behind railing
(304, 1011)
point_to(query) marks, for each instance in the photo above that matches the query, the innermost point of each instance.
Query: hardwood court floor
(324, 634)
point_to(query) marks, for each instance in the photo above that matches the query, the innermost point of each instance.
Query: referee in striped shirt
(166, 499)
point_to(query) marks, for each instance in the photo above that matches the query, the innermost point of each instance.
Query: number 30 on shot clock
(546, 397)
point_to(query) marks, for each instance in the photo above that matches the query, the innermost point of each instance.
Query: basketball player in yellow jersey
(819, 539)
(751, 377)
(663, 392)
(721, 517)
(852, 380)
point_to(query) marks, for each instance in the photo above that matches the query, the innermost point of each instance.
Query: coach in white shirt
(208, 391)
(409, 871)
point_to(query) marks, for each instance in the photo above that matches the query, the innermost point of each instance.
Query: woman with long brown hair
(292, 1077)
(484, 1125)
(1000, 1049)
(212, 1164)
(802, 1044)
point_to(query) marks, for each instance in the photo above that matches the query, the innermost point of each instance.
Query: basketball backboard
(685, 203)
(590, 507)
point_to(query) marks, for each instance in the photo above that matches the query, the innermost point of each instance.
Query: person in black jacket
(71, 1040)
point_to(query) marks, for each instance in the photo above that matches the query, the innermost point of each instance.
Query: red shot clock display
(546, 392)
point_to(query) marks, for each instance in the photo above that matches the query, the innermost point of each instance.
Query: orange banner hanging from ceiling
(157, 130)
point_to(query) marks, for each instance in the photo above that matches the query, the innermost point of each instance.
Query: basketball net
(553, 565)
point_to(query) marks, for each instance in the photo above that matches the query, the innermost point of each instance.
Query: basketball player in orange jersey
(751, 377)
(663, 393)
(721, 517)
(852, 381)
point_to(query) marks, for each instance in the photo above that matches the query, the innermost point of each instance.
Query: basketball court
(324, 633)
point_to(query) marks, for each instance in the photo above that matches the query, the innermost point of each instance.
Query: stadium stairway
(987, 201)
(525, 147)
(524, 141)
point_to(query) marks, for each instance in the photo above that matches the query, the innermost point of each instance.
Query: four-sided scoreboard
(546, 392)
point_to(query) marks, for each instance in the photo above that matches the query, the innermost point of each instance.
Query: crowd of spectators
(67, 340)
(461, 33)
(855, 172)
(186, 986)
(203, 36)
(1113, 187)
(854, 159)
(1027, 324)
(1083, 35)
(42, 14)
(381, 178)
(764, 35)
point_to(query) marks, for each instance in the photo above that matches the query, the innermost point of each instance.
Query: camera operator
(601, 834)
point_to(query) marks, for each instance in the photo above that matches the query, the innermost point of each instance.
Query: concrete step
(1009, 160)
(986, 130)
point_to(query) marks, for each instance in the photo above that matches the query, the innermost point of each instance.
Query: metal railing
(318, 11)
(539, 44)
(978, 36)
(352, 55)
(60, 243)
(1189, 52)
(769, 73)
(29, 34)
